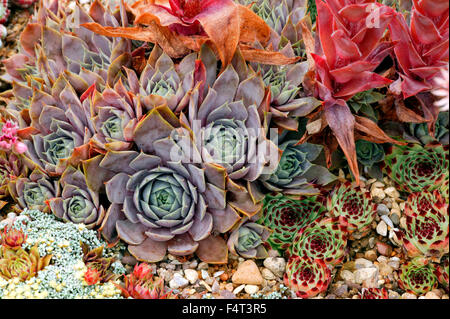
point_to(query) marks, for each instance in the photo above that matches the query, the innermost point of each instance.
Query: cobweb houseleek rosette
(324, 239)
(285, 216)
(33, 191)
(353, 207)
(60, 129)
(307, 277)
(427, 225)
(77, 203)
(160, 200)
(415, 168)
(417, 277)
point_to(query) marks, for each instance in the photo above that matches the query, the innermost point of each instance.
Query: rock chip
(431, 295)
(368, 277)
(267, 274)
(347, 275)
(382, 209)
(384, 249)
(362, 263)
(238, 289)
(407, 295)
(251, 289)
(191, 275)
(382, 228)
(247, 273)
(370, 255)
(277, 265)
(178, 282)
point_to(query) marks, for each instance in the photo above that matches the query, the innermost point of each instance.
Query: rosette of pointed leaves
(21, 264)
(415, 168)
(369, 153)
(422, 47)
(60, 128)
(77, 202)
(419, 133)
(53, 44)
(295, 173)
(352, 49)
(353, 206)
(159, 202)
(324, 239)
(11, 167)
(417, 277)
(374, 293)
(116, 114)
(248, 238)
(99, 265)
(362, 103)
(307, 277)
(33, 192)
(141, 284)
(427, 225)
(286, 105)
(442, 274)
(285, 216)
(12, 238)
(161, 81)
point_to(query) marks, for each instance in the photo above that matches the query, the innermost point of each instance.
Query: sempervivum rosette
(442, 274)
(34, 191)
(11, 166)
(116, 113)
(227, 128)
(286, 101)
(307, 277)
(77, 203)
(324, 239)
(295, 173)
(162, 202)
(353, 206)
(248, 238)
(162, 81)
(427, 225)
(285, 216)
(417, 277)
(60, 128)
(369, 153)
(415, 168)
(419, 133)
(374, 293)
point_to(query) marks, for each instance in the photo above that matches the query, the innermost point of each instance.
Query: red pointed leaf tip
(88, 93)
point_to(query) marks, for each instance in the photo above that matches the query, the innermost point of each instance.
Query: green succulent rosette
(369, 153)
(417, 276)
(285, 216)
(324, 239)
(248, 238)
(353, 206)
(427, 225)
(419, 133)
(416, 168)
(307, 277)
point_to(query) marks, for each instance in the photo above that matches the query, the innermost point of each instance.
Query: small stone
(377, 193)
(382, 209)
(378, 185)
(224, 276)
(385, 269)
(238, 289)
(392, 192)
(273, 253)
(218, 273)
(178, 282)
(393, 294)
(205, 274)
(431, 295)
(191, 275)
(347, 275)
(251, 289)
(382, 228)
(247, 273)
(276, 265)
(267, 274)
(438, 292)
(387, 220)
(229, 287)
(215, 287)
(394, 262)
(204, 284)
(407, 295)
(367, 276)
(362, 263)
(444, 297)
(384, 249)
(202, 265)
(370, 255)
(341, 290)
(395, 217)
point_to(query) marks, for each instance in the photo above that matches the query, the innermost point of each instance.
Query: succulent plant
(99, 267)
(417, 277)
(141, 284)
(418, 132)
(77, 203)
(4, 11)
(353, 206)
(23, 3)
(427, 225)
(11, 167)
(20, 263)
(12, 238)
(374, 293)
(160, 203)
(34, 191)
(248, 238)
(295, 173)
(369, 153)
(415, 168)
(324, 239)
(442, 273)
(8, 138)
(285, 216)
(307, 277)
(362, 102)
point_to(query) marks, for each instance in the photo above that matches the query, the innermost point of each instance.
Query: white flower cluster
(64, 277)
